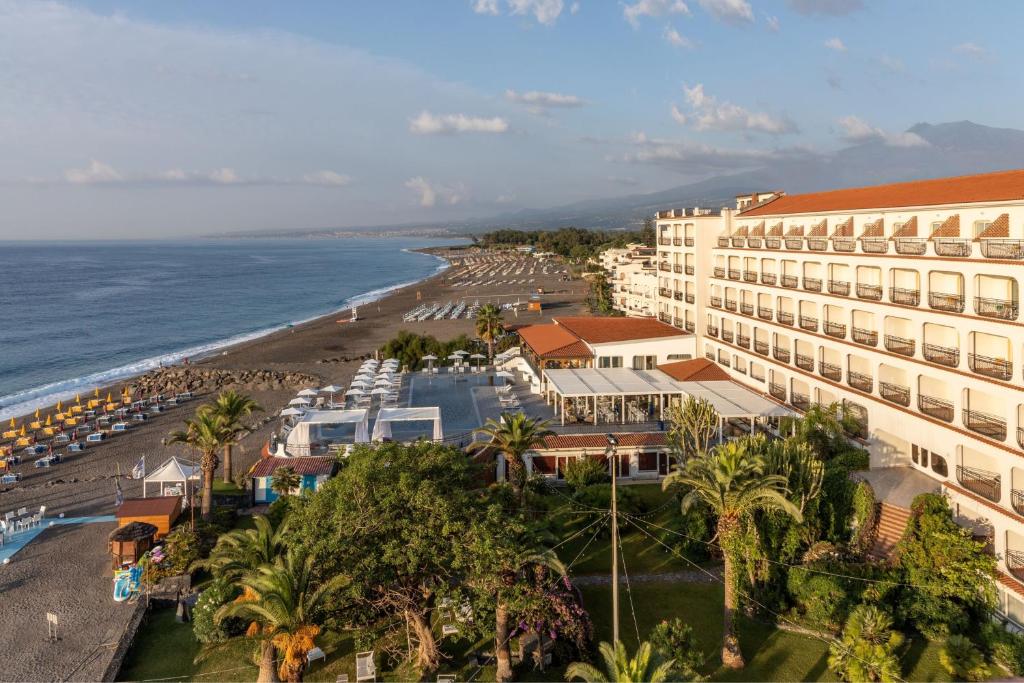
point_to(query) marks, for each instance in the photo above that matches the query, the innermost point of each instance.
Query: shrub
(584, 472)
(1005, 648)
(182, 547)
(694, 530)
(853, 459)
(963, 660)
(205, 627)
(868, 648)
(865, 516)
(822, 599)
(600, 496)
(675, 640)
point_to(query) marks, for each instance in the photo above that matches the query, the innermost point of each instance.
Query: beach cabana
(130, 542)
(308, 431)
(313, 471)
(160, 512)
(382, 427)
(171, 478)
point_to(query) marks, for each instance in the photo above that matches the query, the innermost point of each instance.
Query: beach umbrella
(330, 389)
(354, 392)
(391, 360)
(37, 413)
(504, 374)
(289, 412)
(49, 420)
(460, 352)
(13, 424)
(96, 392)
(360, 383)
(429, 356)
(298, 402)
(478, 357)
(78, 398)
(455, 356)
(379, 391)
(308, 392)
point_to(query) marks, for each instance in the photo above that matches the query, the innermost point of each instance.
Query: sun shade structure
(382, 426)
(171, 478)
(308, 430)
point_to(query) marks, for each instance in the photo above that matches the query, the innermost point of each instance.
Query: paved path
(688, 576)
(15, 542)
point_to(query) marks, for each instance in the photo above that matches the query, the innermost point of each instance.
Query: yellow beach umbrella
(13, 425)
(37, 413)
(109, 397)
(23, 430)
(96, 392)
(49, 420)
(60, 404)
(78, 398)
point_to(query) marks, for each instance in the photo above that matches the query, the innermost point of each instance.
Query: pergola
(729, 399)
(382, 425)
(171, 478)
(308, 431)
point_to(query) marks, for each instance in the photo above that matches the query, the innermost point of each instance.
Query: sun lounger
(446, 678)
(366, 670)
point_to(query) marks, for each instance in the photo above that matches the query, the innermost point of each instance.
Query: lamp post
(612, 444)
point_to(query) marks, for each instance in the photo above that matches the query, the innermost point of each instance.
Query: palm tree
(731, 480)
(284, 481)
(232, 407)
(244, 550)
(206, 433)
(868, 648)
(620, 668)
(285, 606)
(513, 436)
(489, 326)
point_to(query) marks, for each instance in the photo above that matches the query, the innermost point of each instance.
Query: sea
(74, 316)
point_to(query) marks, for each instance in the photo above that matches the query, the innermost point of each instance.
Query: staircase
(892, 521)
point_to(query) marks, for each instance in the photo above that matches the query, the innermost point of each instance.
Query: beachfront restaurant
(319, 431)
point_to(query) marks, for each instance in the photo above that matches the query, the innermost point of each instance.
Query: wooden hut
(130, 542)
(160, 512)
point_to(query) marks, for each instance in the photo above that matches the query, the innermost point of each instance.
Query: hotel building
(633, 279)
(900, 302)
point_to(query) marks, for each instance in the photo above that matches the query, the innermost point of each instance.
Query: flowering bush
(204, 624)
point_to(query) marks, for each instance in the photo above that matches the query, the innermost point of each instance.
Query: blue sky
(154, 118)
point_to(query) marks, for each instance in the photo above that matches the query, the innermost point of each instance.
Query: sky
(165, 119)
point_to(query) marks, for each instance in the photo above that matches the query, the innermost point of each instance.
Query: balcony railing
(900, 345)
(749, 276)
(781, 354)
(943, 355)
(1020, 436)
(716, 302)
(942, 301)
(935, 407)
(723, 241)
(689, 270)
(764, 313)
(953, 247)
(809, 323)
(1017, 501)
(860, 381)
(688, 241)
(830, 371)
(790, 281)
(874, 245)
(804, 362)
(800, 401)
(1015, 558)
(761, 347)
(911, 246)
(768, 278)
(719, 271)
(873, 292)
(724, 360)
(754, 242)
(739, 241)
(677, 241)
(665, 292)
(727, 335)
(709, 355)
(677, 267)
(817, 243)
(665, 267)
(837, 330)
(987, 424)
(777, 391)
(743, 340)
(730, 304)
(665, 241)
(747, 309)
(677, 295)
(904, 296)
(839, 287)
(665, 317)
(982, 482)
(690, 327)
(794, 243)
(690, 298)
(866, 337)
(897, 393)
(844, 244)
(1004, 309)
(996, 368)
(812, 284)
(712, 330)
(772, 243)
(785, 318)
(1005, 249)
(734, 274)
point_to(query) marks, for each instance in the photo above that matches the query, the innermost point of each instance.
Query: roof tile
(695, 370)
(310, 464)
(597, 330)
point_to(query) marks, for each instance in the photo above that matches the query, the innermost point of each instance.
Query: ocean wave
(24, 402)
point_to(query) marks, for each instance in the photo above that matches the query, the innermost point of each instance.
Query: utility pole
(612, 443)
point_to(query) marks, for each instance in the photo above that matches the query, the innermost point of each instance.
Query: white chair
(366, 670)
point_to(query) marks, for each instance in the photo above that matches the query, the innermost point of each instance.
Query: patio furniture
(314, 654)
(366, 670)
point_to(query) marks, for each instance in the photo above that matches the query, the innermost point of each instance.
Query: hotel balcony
(772, 243)
(727, 335)
(1017, 502)
(986, 424)
(935, 407)
(723, 241)
(665, 292)
(734, 274)
(743, 340)
(982, 482)
(719, 271)
(817, 243)
(794, 243)
(866, 337)
(761, 347)
(723, 359)
(768, 278)
(785, 318)
(690, 298)
(1015, 558)
(781, 354)
(665, 241)
(844, 244)
(739, 241)
(1004, 309)
(688, 241)
(874, 245)
(677, 241)
(837, 330)
(753, 242)
(711, 330)
(730, 305)
(716, 302)
(778, 391)
(911, 246)
(1020, 436)
(677, 295)
(905, 297)
(808, 323)
(872, 292)
(677, 268)
(860, 381)
(952, 247)
(800, 401)
(839, 287)
(895, 393)
(996, 368)
(900, 345)
(804, 362)
(812, 284)
(830, 371)
(690, 326)
(689, 270)
(940, 301)
(764, 313)
(942, 355)
(789, 281)
(709, 354)
(749, 276)
(747, 309)
(1002, 249)
(665, 267)
(665, 318)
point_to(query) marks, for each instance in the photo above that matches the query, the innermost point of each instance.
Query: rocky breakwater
(199, 380)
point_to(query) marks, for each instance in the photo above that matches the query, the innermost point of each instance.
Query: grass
(226, 488)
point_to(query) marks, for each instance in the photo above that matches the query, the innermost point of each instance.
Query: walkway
(16, 542)
(898, 485)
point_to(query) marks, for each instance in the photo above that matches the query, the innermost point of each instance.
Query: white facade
(914, 329)
(633, 279)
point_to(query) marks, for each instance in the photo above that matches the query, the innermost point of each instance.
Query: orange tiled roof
(1000, 227)
(986, 187)
(695, 370)
(844, 229)
(626, 440)
(554, 341)
(908, 229)
(607, 330)
(1011, 583)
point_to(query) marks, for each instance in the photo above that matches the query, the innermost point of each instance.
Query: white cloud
(96, 172)
(544, 11)
(729, 11)
(326, 179)
(675, 39)
(678, 116)
(432, 193)
(695, 158)
(447, 124)
(574, 8)
(486, 7)
(652, 8)
(835, 44)
(856, 130)
(708, 113)
(891, 64)
(99, 173)
(539, 101)
(972, 50)
(772, 22)
(826, 7)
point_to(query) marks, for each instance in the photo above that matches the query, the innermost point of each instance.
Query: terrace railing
(938, 408)
(730, 304)
(837, 330)
(1017, 502)
(1003, 249)
(738, 241)
(1004, 309)
(812, 284)
(727, 335)
(747, 309)
(996, 368)
(716, 302)
(860, 381)
(743, 340)
(690, 326)
(900, 345)
(794, 243)
(764, 313)
(872, 292)
(866, 337)
(952, 247)
(677, 267)
(754, 242)
(688, 241)
(772, 243)
(839, 287)
(789, 281)
(986, 424)
(723, 241)
(896, 393)
(941, 301)
(809, 323)
(768, 278)
(719, 271)
(711, 330)
(844, 244)
(749, 276)
(982, 482)
(804, 362)
(781, 354)
(911, 246)
(874, 245)
(1015, 558)
(677, 241)
(817, 243)
(830, 371)
(761, 347)
(904, 296)
(689, 270)
(943, 355)
(800, 401)
(785, 318)
(777, 391)
(690, 298)
(734, 274)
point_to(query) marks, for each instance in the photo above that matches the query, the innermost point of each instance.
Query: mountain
(924, 151)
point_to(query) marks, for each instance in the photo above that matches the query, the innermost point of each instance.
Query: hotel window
(938, 465)
(645, 362)
(678, 356)
(609, 362)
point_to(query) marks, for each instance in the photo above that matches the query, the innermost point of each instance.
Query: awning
(382, 426)
(174, 470)
(301, 434)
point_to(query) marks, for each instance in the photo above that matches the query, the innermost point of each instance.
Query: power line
(629, 590)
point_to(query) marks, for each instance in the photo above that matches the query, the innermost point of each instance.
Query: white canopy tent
(172, 478)
(307, 431)
(382, 427)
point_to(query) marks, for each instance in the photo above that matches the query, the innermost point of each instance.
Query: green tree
(489, 325)
(513, 435)
(962, 659)
(286, 606)
(619, 667)
(232, 407)
(284, 481)
(692, 424)
(868, 648)
(207, 433)
(732, 482)
(244, 550)
(675, 641)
